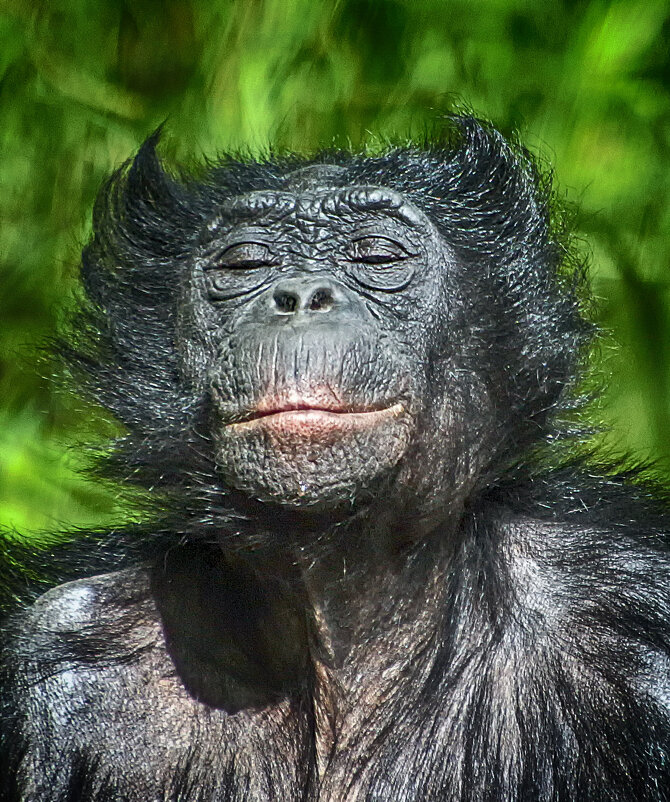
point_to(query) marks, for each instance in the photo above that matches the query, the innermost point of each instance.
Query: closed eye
(373, 250)
(245, 256)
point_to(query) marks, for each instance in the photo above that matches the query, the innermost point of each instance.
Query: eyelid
(264, 254)
(397, 251)
(246, 243)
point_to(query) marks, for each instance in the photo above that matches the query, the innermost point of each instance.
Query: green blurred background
(82, 82)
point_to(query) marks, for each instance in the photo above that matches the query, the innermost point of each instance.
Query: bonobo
(374, 566)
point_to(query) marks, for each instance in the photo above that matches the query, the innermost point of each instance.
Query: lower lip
(315, 421)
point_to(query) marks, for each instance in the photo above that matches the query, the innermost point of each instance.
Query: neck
(366, 595)
(358, 600)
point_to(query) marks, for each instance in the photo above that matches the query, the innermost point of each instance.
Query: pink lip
(305, 415)
(263, 410)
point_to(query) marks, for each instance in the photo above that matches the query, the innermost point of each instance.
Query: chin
(312, 458)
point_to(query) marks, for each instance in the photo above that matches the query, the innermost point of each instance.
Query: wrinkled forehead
(312, 197)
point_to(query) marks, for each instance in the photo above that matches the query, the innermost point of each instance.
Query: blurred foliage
(82, 82)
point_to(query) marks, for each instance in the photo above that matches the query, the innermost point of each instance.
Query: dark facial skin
(311, 316)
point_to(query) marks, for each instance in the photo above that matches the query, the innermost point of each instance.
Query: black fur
(484, 618)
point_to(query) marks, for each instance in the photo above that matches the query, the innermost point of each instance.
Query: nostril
(294, 298)
(286, 302)
(321, 301)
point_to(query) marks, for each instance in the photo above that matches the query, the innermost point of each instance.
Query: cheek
(453, 441)
(194, 340)
(202, 335)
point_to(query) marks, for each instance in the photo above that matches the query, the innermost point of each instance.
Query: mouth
(313, 418)
(311, 447)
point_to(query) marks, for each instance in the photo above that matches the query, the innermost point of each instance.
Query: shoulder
(55, 652)
(85, 675)
(84, 645)
(581, 524)
(109, 615)
(592, 582)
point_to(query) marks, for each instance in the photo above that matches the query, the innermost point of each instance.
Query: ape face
(311, 314)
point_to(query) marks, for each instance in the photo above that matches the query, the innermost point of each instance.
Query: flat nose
(304, 296)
